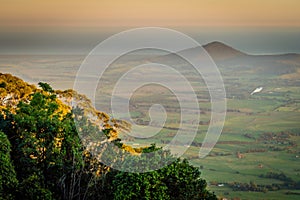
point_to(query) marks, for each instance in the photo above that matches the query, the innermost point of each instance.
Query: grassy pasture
(249, 120)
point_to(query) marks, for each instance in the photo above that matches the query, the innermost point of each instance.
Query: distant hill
(221, 51)
(232, 60)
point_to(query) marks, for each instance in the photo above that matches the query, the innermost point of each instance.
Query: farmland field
(261, 134)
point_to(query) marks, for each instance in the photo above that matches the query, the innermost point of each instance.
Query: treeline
(279, 176)
(43, 157)
(236, 186)
(288, 183)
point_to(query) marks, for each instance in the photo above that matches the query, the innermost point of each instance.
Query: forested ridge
(45, 156)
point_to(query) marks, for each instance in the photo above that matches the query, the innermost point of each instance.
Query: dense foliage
(42, 157)
(8, 179)
(178, 180)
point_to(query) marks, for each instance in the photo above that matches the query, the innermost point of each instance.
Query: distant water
(250, 40)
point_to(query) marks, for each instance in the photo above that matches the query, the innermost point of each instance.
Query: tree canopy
(43, 157)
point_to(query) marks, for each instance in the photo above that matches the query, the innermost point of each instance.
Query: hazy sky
(253, 26)
(17, 13)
